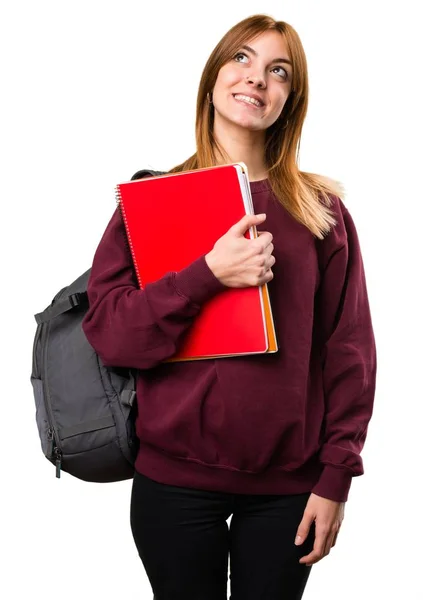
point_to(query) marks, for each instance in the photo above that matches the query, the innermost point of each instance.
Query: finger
(335, 537)
(263, 263)
(269, 249)
(329, 543)
(263, 242)
(260, 234)
(303, 528)
(318, 551)
(246, 222)
(266, 237)
(270, 262)
(268, 276)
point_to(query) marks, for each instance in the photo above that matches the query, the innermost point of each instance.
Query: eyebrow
(275, 60)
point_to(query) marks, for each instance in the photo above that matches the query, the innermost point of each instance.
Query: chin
(252, 125)
(245, 122)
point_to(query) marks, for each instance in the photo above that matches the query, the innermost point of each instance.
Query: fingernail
(297, 540)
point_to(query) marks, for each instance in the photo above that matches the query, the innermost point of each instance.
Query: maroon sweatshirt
(285, 423)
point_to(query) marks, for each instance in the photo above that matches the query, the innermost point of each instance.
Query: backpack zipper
(58, 455)
(52, 436)
(50, 439)
(54, 451)
(35, 371)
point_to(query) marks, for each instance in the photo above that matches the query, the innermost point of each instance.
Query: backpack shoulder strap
(62, 306)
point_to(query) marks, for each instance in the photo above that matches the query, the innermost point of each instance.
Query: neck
(240, 145)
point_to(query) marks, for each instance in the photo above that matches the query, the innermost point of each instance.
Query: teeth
(247, 99)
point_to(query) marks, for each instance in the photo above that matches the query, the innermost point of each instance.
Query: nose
(256, 80)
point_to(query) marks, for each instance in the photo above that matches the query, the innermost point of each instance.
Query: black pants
(183, 540)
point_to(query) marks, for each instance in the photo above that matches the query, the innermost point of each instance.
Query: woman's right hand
(240, 262)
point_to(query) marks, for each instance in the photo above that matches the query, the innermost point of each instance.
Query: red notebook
(173, 219)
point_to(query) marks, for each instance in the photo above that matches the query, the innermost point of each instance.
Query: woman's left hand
(328, 516)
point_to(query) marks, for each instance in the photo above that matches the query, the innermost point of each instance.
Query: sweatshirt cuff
(197, 282)
(334, 484)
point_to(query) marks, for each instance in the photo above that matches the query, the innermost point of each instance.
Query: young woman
(271, 440)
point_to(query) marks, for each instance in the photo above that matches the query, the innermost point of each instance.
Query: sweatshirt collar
(259, 186)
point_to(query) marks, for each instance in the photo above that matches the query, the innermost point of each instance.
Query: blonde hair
(306, 196)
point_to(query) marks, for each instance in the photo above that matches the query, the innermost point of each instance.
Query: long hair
(306, 196)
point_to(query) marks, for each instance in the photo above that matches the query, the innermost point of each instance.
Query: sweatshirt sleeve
(348, 362)
(133, 328)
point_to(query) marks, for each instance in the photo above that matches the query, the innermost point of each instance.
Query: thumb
(246, 222)
(303, 529)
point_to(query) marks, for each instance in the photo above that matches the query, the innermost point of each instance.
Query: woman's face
(261, 69)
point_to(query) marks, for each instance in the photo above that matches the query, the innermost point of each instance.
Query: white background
(92, 91)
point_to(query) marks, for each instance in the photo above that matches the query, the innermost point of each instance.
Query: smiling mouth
(246, 102)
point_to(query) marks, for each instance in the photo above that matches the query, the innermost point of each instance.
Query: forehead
(269, 44)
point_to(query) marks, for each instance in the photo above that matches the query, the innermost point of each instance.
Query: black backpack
(85, 412)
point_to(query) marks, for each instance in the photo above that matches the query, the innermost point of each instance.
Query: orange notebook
(173, 219)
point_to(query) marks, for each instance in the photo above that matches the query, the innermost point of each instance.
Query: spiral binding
(119, 202)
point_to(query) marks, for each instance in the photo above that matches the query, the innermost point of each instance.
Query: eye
(283, 73)
(239, 54)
